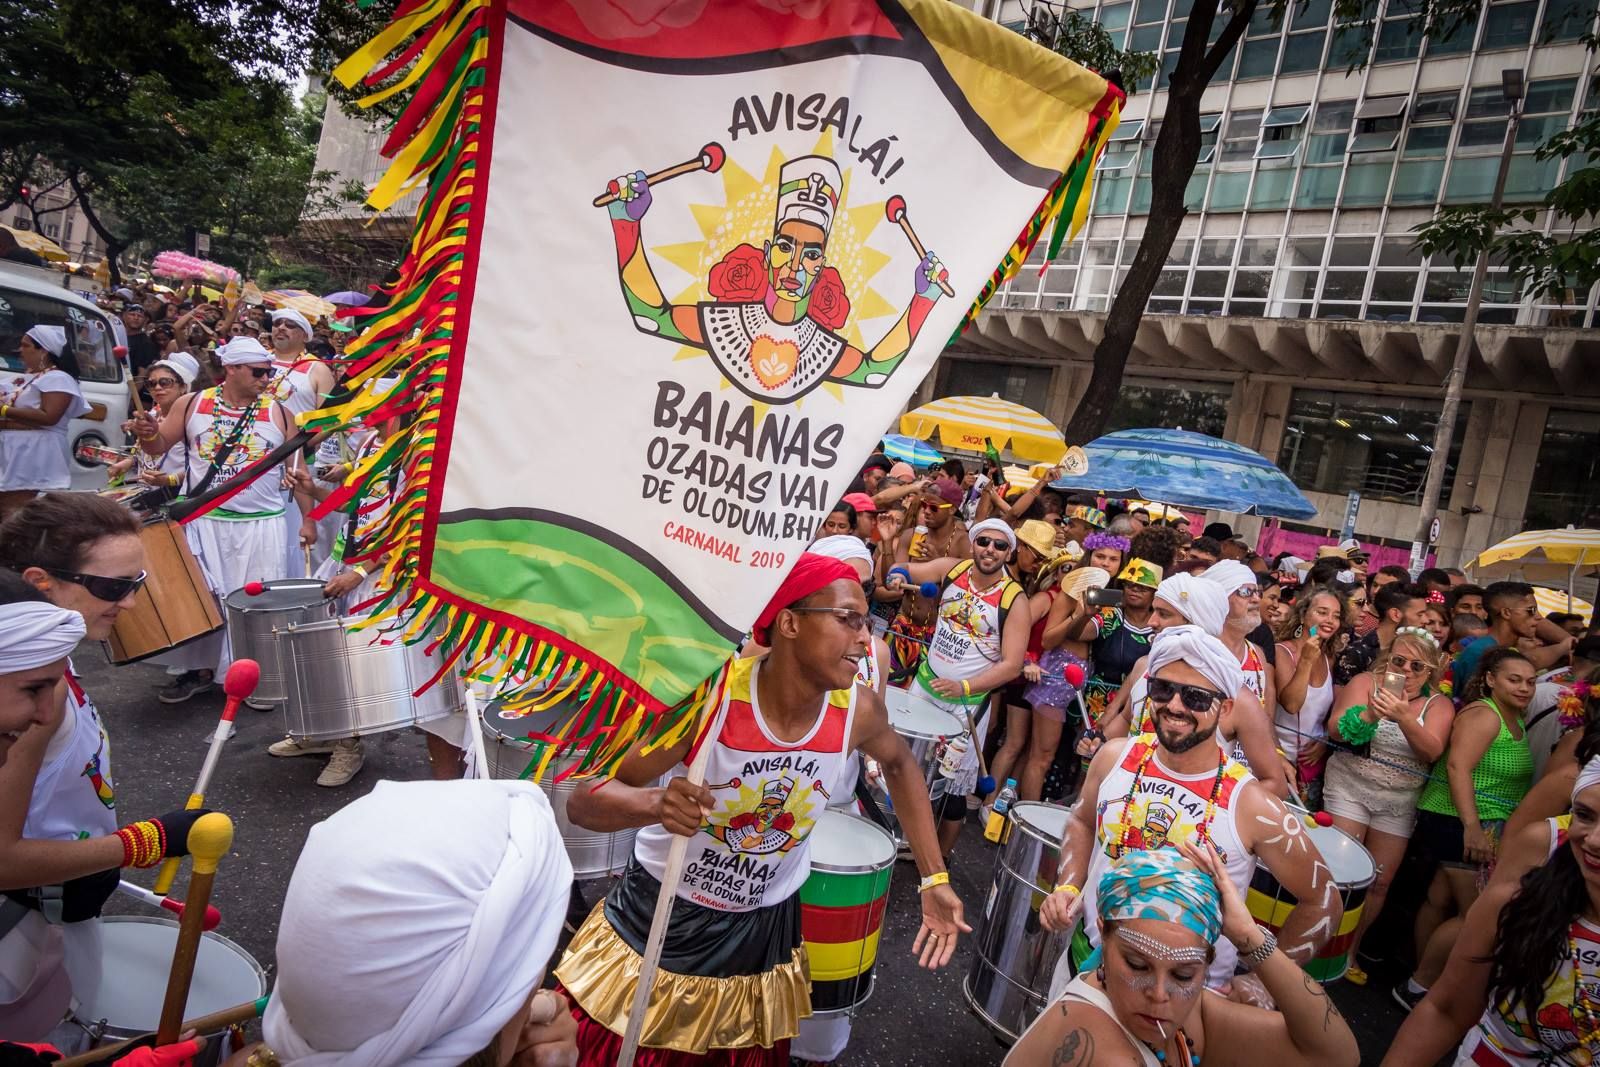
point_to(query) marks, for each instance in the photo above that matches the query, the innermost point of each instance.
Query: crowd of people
(1194, 701)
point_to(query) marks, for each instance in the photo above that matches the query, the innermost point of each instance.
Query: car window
(88, 333)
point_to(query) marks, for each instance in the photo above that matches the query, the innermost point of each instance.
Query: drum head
(514, 729)
(138, 954)
(912, 715)
(1348, 860)
(844, 843)
(1048, 821)
(283, 593)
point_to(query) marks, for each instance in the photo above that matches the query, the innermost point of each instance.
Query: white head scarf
(1198, 649)
(293, 318)
(243, 350)
(53, 339)
(34, 633)
(995, 526)
(842, 546)
(1588, 774)
(418, 921)
(1230, 574)
(1201, 602)
(182, 364)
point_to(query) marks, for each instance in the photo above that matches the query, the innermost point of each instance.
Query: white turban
(53, 339)
(182, 364)
(1230, 574)
(1201, 602)
(34, 633)
(418, 921)
(1588, 774)
(842, 546)
(243, 350)
(994, 526)
(293, 318)
(1198, 649)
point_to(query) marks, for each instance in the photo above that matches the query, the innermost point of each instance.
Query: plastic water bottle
(997, 816)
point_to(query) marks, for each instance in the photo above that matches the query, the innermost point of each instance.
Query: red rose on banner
(829, 306)
(741, 275)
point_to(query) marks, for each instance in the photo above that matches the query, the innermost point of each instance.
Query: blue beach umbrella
(910, 450)
(1190, 470)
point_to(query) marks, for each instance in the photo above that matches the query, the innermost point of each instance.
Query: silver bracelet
(1249, 961)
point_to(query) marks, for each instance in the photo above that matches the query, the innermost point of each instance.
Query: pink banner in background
(1275, 539)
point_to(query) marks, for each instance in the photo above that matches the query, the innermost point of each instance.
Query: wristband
(1068, 887)
(942, 878)
(966, 688)
(903, 572)
(5, 409)
(359, 569)
(144, 843)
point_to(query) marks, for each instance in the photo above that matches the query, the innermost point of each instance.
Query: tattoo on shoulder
(1075, 1050)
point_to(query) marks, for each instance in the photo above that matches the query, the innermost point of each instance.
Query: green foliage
(295, 276)
(1550, 268)
(1086, 43)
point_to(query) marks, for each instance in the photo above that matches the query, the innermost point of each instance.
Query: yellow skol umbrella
(966, 422)
(1553, 600)
(310, 305)
(38, 244)
(1541, 556)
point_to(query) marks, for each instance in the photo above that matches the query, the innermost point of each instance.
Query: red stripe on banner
(754, 27)
(841, 926)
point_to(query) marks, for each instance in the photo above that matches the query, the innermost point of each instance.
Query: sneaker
(259, 705)
(1355, 975)
(1406, 997)
(291, 747)
(186, 685)
(343, 764)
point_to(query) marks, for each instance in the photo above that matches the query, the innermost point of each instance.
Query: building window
(1378, 445)
(1208, 138)
(1303, 52)
(1566, 476)
(1378, 123)
(1020, 383)
(1565, 20)
(1509, 25)
(1457, 41)
(1282, 132)
(1397, 41)
(1147, 402)
(1257, 58)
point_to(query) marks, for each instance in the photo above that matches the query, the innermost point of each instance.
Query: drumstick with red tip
(238, 683)
(710, 160)
(254, 588)
(139, 892)
(121, 352)
(895, 209)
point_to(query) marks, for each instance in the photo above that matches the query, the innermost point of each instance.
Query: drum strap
(869, 804)
(235, 435)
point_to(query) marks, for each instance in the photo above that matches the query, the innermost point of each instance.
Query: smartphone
(1394, 684)
(1103, 598)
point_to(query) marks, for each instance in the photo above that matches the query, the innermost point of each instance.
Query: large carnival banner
(704, 252)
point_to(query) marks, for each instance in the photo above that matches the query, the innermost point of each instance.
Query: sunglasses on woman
(162, 383)
(1197, 698)
(100, 587)
(1401, 663)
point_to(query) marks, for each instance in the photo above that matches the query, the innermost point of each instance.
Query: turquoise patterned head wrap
(1159, 885)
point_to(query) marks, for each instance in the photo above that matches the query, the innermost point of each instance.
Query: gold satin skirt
(687, 1013)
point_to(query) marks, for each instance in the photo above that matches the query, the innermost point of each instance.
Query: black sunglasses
(100, 587)
(260, 372)
(161, 383)
(991, 542)
(1197, 698)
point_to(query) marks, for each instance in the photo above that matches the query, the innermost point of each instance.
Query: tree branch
(1229, 37)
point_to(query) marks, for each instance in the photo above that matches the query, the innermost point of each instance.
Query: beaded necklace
(1582, 1010)
(1203, 832)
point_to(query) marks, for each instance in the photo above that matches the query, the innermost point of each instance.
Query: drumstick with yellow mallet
(238, 683)
(209, 838)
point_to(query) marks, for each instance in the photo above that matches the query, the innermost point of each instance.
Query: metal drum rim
(839, 868)
(1035, 832)
(107, 1029)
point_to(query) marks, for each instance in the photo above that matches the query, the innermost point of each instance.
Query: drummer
(223, 430)
(980, 642)
(169, 381)
(1178, 784)
(733, 980)
(60, 848)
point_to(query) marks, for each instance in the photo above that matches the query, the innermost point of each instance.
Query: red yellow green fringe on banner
(443, 48)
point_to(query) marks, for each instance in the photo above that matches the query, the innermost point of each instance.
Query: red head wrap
(811, 572)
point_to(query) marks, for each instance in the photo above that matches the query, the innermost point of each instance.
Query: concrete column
(1244, 412)
(1066, 386)
(1274, 419)
(1510, 448)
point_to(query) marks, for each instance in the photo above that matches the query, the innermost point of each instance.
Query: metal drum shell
(593, 855)
(344, 682)
(1014, 957)
(924, 726)
(148, 954)
(252, 620)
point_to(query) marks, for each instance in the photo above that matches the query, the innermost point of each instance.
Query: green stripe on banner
(590, 593)
(830, 890)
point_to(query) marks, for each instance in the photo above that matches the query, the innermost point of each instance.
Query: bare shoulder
(1073, 1034)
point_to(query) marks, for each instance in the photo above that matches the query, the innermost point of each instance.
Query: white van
(29, 298)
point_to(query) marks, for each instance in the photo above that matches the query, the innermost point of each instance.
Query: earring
(1299, 631)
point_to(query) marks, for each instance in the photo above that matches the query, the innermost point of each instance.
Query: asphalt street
(914, 1017)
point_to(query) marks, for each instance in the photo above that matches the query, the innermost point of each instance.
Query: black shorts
(1440, 838)
(951, 807)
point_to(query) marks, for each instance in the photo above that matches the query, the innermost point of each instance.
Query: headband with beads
(1419, 633)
